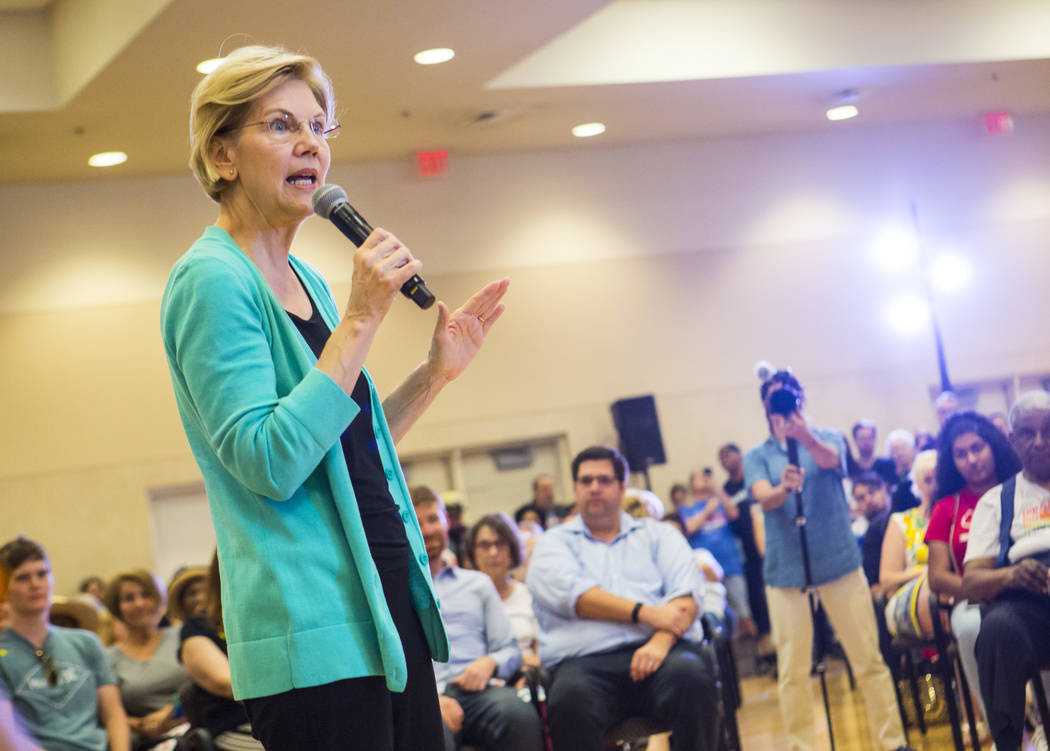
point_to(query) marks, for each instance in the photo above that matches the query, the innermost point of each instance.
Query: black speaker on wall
(639, 428)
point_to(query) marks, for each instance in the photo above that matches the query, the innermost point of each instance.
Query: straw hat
(79, 612)
(178, 586)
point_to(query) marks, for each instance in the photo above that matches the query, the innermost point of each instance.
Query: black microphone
(793, 451)
(330, 202)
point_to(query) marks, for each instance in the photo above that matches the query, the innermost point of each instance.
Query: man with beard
(1007, 559)
(476, 704)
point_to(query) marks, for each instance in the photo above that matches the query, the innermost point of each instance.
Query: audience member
(834, 566)
(203, 652)
(925, 440)
(542, 503)
(495, 547)
(57, 679)
(902, 572)
(641, 504)
(706, 520)
(457, 529)
(1006, 563)
(946, 404)
(998, 419)
(616, 599)
(94, 586)
(187, 594)
(747, 528)
(900, 445)
(679, 495)
(869, 493)
(864, 438)
(968, 445)
(476, 704)
(145, 661)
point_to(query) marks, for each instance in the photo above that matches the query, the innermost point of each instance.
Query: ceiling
(83, 76)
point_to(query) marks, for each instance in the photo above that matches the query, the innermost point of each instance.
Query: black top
(216, 714)
(871, 545)
(884, 467)
(379, 513)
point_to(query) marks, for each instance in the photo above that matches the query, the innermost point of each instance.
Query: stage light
(843, 106)
(207, 66)
(586, 130)
(434, 56)
(950, 273)
(108, 159)
(908, 314)
(896, 249)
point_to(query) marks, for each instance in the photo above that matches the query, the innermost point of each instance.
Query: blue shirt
(833, 550)
(648, 562)
(63, 717)
(476, 622)
(715, 536)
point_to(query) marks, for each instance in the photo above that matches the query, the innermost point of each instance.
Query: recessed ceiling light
(586, 130)
(843, 106)
(108, 159)
(434, 56)
(207, 66)
(843, 112)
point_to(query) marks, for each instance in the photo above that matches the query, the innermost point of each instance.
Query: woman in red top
(973, 456)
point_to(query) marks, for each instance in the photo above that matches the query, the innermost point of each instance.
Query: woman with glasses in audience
(44, 667)
(495, 548)
(973, 456)
(145, 659)
(329, 610)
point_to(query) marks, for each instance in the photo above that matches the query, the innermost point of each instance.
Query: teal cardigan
(302, 601)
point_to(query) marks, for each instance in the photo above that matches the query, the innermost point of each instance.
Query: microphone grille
(326, 198)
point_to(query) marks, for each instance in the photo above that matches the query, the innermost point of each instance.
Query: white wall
(665, 269)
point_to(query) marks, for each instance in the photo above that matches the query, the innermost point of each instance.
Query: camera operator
(834, 560)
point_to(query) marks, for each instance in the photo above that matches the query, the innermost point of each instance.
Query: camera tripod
(820, 646)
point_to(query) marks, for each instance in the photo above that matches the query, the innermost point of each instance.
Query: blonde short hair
(925, 461)
(224, 97)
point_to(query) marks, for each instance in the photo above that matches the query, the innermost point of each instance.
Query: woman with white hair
(902, 571)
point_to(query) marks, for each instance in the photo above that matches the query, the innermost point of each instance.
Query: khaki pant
(847, 602)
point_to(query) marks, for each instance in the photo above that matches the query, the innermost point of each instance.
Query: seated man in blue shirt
(616, 599)
(476, 705)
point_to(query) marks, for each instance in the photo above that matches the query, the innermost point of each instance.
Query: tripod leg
(820, 653)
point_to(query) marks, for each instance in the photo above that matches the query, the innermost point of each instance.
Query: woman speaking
(330, 617)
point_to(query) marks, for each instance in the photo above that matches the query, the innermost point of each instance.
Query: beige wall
(666, 269)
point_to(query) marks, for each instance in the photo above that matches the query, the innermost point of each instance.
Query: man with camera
(833, 561)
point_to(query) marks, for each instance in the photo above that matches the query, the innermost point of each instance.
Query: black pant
(495, 719)
(361, 712)
(1012, 645)
(591, 694)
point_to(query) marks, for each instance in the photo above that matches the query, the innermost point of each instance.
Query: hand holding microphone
(330, 202)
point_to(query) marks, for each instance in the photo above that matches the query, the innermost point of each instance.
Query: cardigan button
(423, 560)
(390, 474)
(405, 516)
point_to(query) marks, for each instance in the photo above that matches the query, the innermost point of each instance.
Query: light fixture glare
(895, 249)
(842, 112)
(207, 66)
(434, 56)
(950, 273)
(108, 159)
(908, 314)
(586, 130)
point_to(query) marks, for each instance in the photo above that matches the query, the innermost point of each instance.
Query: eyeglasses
(602, 480)
(489, 545)
(286, 126)
(50, 670)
